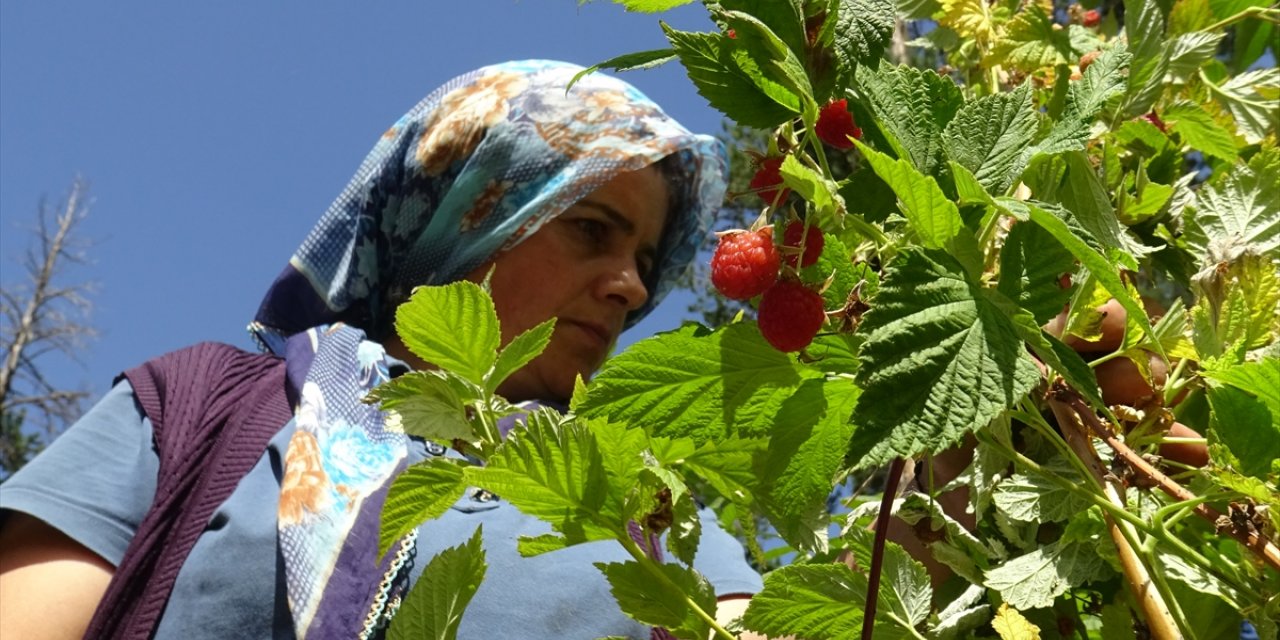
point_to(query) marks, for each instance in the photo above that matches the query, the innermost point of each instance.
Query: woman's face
(586, 268)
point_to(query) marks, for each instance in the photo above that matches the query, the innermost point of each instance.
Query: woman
(585, 203)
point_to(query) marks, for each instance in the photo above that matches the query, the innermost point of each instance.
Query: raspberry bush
(1028, 175)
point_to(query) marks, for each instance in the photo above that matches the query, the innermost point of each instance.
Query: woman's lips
(596, 332)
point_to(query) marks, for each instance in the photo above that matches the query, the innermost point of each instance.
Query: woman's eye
(592, 229)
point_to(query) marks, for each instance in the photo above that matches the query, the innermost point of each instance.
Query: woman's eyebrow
(623, 223)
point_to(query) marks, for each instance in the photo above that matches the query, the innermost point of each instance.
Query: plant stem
(1267, 13)
(877, 547)
(650, 566)
(1267, 551)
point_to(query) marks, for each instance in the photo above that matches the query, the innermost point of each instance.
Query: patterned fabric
(472, 170)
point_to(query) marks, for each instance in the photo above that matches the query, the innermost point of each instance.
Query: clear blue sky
(213, 134)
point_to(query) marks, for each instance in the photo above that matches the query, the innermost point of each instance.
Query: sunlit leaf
(661, 606)
(434, 606)
(454, 327)
(988, 136)
(422, 492)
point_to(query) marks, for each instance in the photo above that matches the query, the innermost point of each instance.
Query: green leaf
(1032, 41)
(689, 382)
(708, 59)
(968, 189)
(434, 606)
(1033, 580)
(1034, 498)
(963, 615)
(809, 601)
(674, 503)
(422, 492)
(836, 262)
(783, 17)
(939, 360)
(1242, 214)
(1200, 131)
(728, 466)
(1085, 98)
(520, 351)
(428, 404)
(658, 605)
(1245, 96)
(453, 326)
(955, 546)
(988, 136)
(1031, 263)
(1055, 221)
(1190, 51)
(628, 62)
(906, 595)
(1246, 408)
(769, 62)
(1144, 28)
(913, 106)
(863, 29)
(651, 6)
(821, 193)
(553, 471)
(933, 217)
(1089, 200)
(803, 459)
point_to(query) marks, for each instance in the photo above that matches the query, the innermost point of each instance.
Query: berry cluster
(746, 264)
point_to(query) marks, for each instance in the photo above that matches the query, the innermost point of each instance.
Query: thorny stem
(648, 563)
(1267, 551)
(877, 548)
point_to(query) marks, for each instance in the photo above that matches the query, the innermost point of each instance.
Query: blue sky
(214, 134)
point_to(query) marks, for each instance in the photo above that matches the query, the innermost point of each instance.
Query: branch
(1251, 539)
(877, 547)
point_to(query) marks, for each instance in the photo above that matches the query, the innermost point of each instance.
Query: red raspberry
(1091, 18)
(812, 243)
(1155, 119)
(790, 315)
(745, 264)
(835, 125)
(733, 35)
(768, 179)
(1087, 59)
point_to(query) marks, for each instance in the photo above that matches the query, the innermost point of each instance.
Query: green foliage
(1000, 193)
(433, 609)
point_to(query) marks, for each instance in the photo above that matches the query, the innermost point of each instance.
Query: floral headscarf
(474, 169)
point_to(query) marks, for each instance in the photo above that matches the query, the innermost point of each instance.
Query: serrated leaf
(422, 492)
(1200, 131)
(822, 194)
(651, 6)
(434, 606)
(836, 262)
(685, 528)
(453, 326)
(727, 465)
(939, 360)
(1088, 199)
(1085, 98)
(933, 217)
(1242, 214)
(989, 135)
(913, 106)
(809, 601)
(969, 19)
(428, 404)
(1011, 625)
(863, 29)
(1033, 580)
(968, 189)
(956, 547)
(553, 471)
(1099, 265)
(1032, 41)
(698, 384)
(783, 17)
(964, 614)
(1245, 96)
(769, 62)
(1246, 407)
(1189, 51)
(520, 351)
(803, 458)
(633, 587)
(1144, 29)
(708, 59)
(1034, 498)
(1031, 263)
(628, 62)
(906, 595)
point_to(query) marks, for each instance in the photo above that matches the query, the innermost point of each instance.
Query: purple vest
(213, 409)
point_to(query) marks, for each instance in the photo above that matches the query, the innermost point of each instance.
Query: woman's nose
(623, 284)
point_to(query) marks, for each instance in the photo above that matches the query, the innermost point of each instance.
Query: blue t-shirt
(96, 482)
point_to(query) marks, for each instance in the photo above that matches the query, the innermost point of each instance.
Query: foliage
(987, 200)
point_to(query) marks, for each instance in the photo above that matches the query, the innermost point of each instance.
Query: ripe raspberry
(768, 179)
(1091, 18)
(1087, 59)
(790, 315)
(733, 34)
(745, 264)
(812, 243)
(835, 125)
